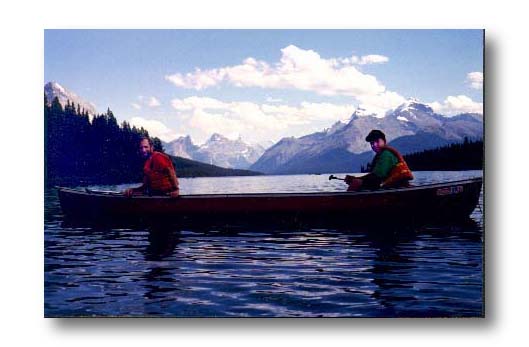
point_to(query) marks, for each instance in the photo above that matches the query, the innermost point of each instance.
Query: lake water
(431, 271)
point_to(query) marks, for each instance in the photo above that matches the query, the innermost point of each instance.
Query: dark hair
(148, 139)
(375, 135)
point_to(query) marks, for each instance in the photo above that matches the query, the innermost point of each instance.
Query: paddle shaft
(332, 177)
(105, 192)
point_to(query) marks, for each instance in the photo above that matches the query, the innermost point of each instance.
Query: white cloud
(273, 100)
(380, 103)
(146, 101)
(155, 128)
(195, 102)
(197, 80)
(303, 70)
(475, 79)
(297, 69)
(454, 105)
(256, 122)
(371, 59)
(153, 102)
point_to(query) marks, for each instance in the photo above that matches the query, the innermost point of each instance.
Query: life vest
(156, 171)
(400, 174)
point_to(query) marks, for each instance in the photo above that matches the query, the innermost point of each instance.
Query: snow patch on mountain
(54, 89)
(217, 150)
(414, 121)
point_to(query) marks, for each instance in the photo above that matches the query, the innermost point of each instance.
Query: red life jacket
(156, 170)
(400, 174)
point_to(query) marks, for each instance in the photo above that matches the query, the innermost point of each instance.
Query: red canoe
(440, 201)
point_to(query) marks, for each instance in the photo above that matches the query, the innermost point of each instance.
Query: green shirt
(384, 162)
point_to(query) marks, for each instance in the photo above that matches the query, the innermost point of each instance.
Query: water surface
(431, 271)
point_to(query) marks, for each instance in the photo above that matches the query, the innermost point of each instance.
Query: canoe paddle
(105, 192)
(332, 177)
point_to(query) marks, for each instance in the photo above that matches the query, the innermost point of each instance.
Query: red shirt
(158, 170)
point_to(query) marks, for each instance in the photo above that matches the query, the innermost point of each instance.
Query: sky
(263, 85)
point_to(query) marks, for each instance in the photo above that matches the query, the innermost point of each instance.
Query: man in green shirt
(388, 168)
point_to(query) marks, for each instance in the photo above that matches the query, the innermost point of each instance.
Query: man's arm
(167, 164)
(380, 170)
(371, 181)
(129, 192)
(174, 181)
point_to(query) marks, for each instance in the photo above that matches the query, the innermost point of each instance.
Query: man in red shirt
(159, 176)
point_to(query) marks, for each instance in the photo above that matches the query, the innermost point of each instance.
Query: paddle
(105, 192)
(114, 193)
(332, 177)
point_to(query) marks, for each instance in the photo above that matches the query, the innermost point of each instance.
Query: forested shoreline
(83, 151)
(466, 155)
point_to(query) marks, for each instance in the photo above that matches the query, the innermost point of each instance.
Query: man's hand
(174, 193)
(354, 183)
(349, 179)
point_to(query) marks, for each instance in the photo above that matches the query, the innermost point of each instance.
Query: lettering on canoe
(449, 190)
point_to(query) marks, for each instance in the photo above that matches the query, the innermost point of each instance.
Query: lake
(428, 271)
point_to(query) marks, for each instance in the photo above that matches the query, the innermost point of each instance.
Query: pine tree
(157, 144)
(56, 106)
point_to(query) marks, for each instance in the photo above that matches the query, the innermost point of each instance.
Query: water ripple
(426, 272)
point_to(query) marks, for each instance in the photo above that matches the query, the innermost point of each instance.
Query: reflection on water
(394, 272)
(291, 183)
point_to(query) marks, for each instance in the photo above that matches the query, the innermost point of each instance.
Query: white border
(22, 170)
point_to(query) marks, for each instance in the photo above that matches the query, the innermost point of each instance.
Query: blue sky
(263, 85)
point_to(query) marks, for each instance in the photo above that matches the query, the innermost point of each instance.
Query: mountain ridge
(412, 126)
(217, 150)
(53, 89)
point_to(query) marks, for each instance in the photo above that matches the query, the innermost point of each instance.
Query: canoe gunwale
(279, 194)
(441, 201)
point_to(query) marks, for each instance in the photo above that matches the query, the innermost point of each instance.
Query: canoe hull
(447, 201)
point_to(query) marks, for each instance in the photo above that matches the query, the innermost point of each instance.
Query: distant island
(84, 151)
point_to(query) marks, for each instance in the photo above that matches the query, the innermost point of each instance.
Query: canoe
(433, 202)
(440, 201)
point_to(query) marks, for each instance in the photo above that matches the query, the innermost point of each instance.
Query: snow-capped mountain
(218, 150)
(181, 147)
(411, 127)
(54, 89)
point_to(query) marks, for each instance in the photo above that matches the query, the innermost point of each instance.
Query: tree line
(466, 155)
(84, 151)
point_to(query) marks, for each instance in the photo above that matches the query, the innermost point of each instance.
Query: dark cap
(375, 135)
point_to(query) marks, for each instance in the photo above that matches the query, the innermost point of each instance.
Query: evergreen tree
(80, 151)
(56, 106)
(157, 144)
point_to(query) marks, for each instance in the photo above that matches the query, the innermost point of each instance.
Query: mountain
(181, 147)
(218, 150)
(54, 89)
(411, 127)
(83, 152)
